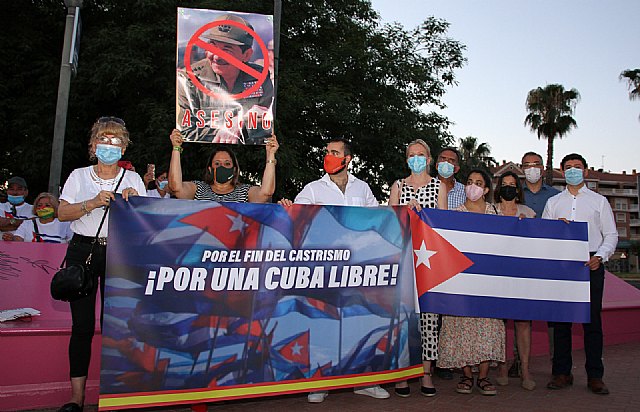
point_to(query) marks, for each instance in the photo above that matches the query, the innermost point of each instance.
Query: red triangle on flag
(434, 258)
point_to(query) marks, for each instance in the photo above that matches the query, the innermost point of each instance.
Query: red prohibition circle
(195, 41)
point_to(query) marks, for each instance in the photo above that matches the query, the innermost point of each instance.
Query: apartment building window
(621, 204)
(622, 232)
(592, 185)
(621, 217)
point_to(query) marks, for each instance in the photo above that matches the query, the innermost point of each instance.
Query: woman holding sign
(468, 341)
(420, 190)
(84, 202)
(221, 176)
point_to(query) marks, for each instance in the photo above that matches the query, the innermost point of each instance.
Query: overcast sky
(514, 46)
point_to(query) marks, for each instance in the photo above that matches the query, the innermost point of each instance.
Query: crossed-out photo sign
(224, 76)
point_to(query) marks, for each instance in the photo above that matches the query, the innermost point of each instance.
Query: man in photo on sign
(217, 116)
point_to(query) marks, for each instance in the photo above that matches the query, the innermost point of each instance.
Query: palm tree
(633, 82)
(550, 109)
(474, 155)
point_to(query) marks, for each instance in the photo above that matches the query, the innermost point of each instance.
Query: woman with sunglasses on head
(467, 341)
(221, 177)
(509, 198)
(85, 195)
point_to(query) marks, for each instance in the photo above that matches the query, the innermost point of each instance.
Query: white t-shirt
(155, 193)
(24, 211)
(83, 184)
(52, 232)
(324, 192)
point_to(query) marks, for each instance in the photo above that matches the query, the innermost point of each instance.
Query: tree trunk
(549, 173)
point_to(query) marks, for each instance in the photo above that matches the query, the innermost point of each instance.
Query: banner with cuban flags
(470, 264)
(210, 301)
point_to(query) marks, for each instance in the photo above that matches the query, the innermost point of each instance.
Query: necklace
(104, 184)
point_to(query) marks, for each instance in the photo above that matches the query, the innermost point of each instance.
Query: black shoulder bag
(77, 281)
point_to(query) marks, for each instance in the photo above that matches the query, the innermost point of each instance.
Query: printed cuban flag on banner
(470, 264)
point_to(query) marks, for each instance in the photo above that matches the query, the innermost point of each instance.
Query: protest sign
(207, 301)
(224, 76)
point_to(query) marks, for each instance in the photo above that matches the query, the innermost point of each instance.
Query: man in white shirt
(338, 187)
(578, 203)
(16, 209)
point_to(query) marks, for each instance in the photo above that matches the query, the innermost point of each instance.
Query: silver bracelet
(84, 209)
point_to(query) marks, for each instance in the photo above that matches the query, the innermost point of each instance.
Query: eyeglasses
(106, 119)
(116, 141)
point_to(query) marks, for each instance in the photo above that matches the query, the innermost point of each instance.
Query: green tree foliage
(474, 155)
(341, 73)
(550, 111)
(632, 77)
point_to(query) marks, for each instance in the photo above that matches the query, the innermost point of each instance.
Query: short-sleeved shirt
(52, 232)
(239, 194)
(538, 200)
(325, 192)
(23, 211)
(84, 184)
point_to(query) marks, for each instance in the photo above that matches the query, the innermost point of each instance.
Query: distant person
(338, 187)
(224, 79)
(161, 183)
(84, 195)
(46, 227)
(16, 210)
(421, 190)
(577, 203)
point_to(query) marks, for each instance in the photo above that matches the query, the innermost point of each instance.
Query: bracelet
(178, 149)
(84, 209)
(274, 161)
(12, 221)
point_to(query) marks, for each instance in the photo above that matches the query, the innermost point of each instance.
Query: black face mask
(223, 174)
(508, 193)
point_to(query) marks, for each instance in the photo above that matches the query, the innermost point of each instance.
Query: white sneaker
(317, 397)
(375, 391)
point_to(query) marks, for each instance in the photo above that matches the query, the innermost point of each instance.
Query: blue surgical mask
(15, 200)
(574, 176)
(108, 154)
(445, 169)
(417, 164)
(163, 184)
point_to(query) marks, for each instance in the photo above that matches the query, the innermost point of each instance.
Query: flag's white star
(423, 255)
(237, 223)
(296, 349)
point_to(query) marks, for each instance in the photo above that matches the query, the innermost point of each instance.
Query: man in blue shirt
(448, 165)
(536, 192)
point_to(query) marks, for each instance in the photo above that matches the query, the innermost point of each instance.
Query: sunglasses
(116, 141)
(107, 119)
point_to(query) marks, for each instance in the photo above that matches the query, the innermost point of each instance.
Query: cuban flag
(470, 264)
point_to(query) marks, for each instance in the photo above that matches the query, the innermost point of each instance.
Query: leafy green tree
(632, 77)
(550, 115)
(341, 73)
(474, 155)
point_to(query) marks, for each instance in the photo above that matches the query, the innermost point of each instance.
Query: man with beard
(218, 117)
(341, 188)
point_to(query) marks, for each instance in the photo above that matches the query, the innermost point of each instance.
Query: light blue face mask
(108, 154)
(445, 169)
(417, 164)
(574, 176)
(15, 200)
(163, 184)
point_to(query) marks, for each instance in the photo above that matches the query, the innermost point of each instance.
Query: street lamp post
(57, 146)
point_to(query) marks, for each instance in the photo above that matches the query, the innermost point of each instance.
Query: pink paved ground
(622, 375)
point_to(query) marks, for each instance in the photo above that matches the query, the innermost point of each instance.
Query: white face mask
(532, 174)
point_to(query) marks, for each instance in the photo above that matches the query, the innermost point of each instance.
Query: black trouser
(83, 310)
(562, 362)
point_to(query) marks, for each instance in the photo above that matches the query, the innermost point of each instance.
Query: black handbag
(76, 281)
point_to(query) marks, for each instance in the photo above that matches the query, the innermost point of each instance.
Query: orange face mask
(334, 164)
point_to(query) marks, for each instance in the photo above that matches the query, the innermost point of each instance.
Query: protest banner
(470, 264)
(224, 76)
(207, 301)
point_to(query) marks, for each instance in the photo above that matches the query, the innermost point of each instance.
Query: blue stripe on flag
(504, 225)
(505, 308)
(527, 268)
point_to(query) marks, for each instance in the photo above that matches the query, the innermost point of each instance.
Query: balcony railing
(618, 192)
(634, 222)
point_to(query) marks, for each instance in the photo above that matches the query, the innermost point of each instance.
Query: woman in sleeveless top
(467, 341)
(221, 176)
(420, 190)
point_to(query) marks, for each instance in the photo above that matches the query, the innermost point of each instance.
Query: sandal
(486, 387)
(465, 385)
